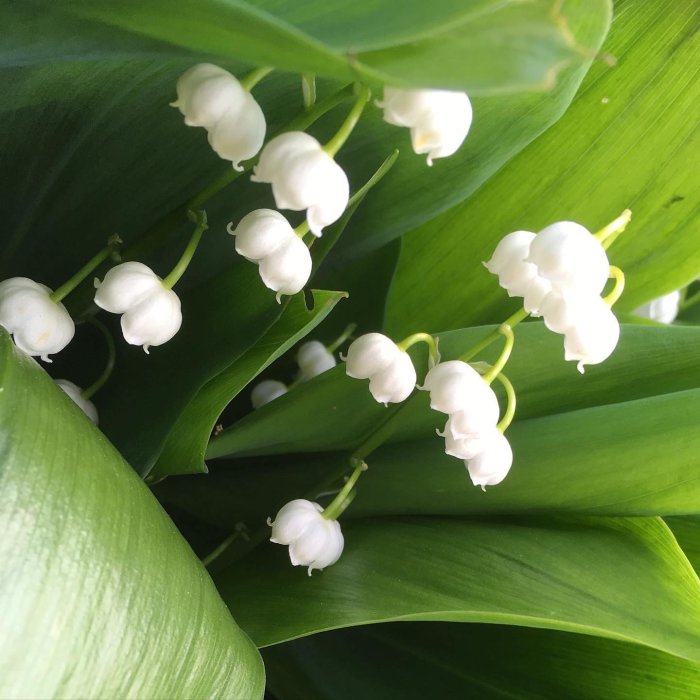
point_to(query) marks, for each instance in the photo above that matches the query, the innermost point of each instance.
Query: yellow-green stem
(505, 330)
(619, 276)
(342, 135)
(171, 280)
(511, 321)
(349, 330)
(507, 419)
(109, 367)
(65, 289)
(223, 546)
(426, 338)
(341, 501)
(302, 229)
(249, 81)
(608, 234)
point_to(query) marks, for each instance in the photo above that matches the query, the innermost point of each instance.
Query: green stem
(507, 419)
(109, 367)
(302, 229)
(619, 276)
(511, 321)
(341, 501)
(341, 136)
(426, 338)
(223, 546)
(505, 330)
(349, 330)
(608, 234)
(65, 289)
(308, 89)
(182, 264)
(249, 81)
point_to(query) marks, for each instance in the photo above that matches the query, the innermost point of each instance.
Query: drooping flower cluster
(150, 311)
(560, 273)
(39, 325)
(391, 374)
(471, 432)
(314, 541)
(266, 238)
(439, 119)
(210, 97)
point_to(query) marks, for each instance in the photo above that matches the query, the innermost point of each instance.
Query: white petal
(314, 358)
(594, 337)
(74, 391)
(261, 233)
(534, 293)
(288, 268)
(266, 391)
(454, 385)
(293, 519)
(369, 354)
(276, 153)
(478, 414)
(126, 285)
(154, 320)
(191, 79)
(211, 99)
(491, 465)
(664, 309)
(395, 382)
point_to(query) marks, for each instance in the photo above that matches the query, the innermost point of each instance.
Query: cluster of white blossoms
(471, 432)
(439, 119)
(313, 358)
(210, 97)
(560, 273)
(391, 374)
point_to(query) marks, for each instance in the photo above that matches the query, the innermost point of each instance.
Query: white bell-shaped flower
(508, 262)
(464, 447)
(490, 466)
(439, 119)
(304, 176)
(314, 541)
(314, 358)
(266, 391)
(391, 373)
(151, 313)
(595, 335)
(288, 268)
(75, 393)
(664, 309)
(570, 257)
(210, 97)
(261, 233)
(39, 325)
(456, 386)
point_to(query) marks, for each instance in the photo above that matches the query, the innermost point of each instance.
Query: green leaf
(187, 441)
(625, 142)
(481, 46)
(101, 596)
(489, 662)
(565, 574)
(687, 532)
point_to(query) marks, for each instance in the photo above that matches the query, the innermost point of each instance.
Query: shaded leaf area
(565, 574)
(187, 440)
(649, 361)
(625, 142)
(480, 45)
(490, 662)
(101, 596)
(687, 532)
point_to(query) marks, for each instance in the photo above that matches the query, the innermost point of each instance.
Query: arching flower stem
(608, 234)
(511, 321)
(302, 229)
(616, 292)
(505, 330)
(426, 338)
(342, 135)
(109, 367)
(200, 218)
(65, 289)
(249, 81)
(336, 507)
(507, 419)
(347, 333)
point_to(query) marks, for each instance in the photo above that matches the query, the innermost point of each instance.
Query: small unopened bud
(266, 391)
(314, 358)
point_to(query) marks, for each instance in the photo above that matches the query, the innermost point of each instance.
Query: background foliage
(581, 561)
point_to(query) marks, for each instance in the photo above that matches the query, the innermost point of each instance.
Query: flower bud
(304, 176)
(490, 466)
(391, 373)
(151, 312)
(266, 391)
(570, 257)
(39, 325)
(313, 540)
(595, 335)
(314, 358)
(664, 309)
(75, 393)
(456, 386)
(439, 119)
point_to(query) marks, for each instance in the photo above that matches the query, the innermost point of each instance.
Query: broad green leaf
(480, 45)
(625, 142)
(565, 574)
(187, 441)
(101, 596)
(489, 662)
(687, 532)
